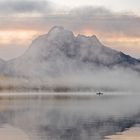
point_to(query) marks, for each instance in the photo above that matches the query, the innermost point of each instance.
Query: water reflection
(68, 119)
(131, 134)
(8, 132)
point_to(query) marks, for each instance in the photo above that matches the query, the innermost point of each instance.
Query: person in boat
(99, 93)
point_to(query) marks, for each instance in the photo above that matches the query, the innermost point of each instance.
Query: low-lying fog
(116, 80)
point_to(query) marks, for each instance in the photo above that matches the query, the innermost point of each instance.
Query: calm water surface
(61, 118)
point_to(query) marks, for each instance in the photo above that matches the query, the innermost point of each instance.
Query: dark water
(67, 119)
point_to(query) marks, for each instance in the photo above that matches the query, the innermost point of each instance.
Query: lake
(33, 117)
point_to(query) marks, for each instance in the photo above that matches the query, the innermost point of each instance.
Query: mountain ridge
(60, 52)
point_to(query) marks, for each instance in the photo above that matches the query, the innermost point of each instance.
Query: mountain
(60, 52)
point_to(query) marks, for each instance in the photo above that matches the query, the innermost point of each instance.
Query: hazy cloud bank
(96, 19)
(26, 6)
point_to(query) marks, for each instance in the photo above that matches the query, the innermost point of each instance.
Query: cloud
(98, 20)
(25, 6)
(107, 22)
(89, 11)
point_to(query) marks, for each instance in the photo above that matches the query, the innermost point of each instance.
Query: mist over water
(105, 80)
(70, 119)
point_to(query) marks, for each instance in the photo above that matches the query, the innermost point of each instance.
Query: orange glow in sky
(87, 32)
(17, 36)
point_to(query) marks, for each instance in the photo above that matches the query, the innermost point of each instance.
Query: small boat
(99, 93)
